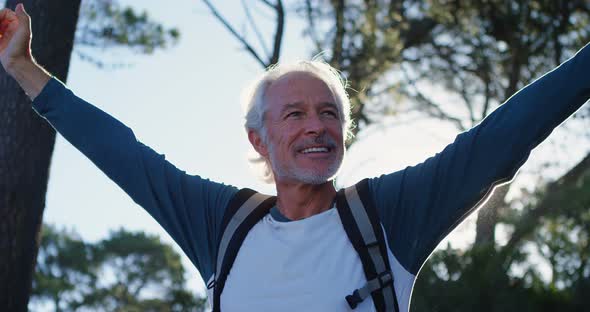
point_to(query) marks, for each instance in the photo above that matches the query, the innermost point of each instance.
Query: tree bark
(487, 216)
(26, 145)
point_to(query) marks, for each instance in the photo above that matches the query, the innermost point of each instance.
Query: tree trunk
(26, 145)
(556, 198)
(487, 216)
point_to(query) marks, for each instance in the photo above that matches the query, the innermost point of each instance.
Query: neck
(297, 200)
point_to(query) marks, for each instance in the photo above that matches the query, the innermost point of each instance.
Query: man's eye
(293, 114)
(330, 113)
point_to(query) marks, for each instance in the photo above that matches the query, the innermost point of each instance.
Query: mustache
(323, 140)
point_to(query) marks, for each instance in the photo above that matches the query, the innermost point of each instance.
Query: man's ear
(257, 143)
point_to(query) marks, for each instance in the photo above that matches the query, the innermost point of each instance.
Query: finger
(8, 19)
(7, 14)
(4, 25)
(4, 11)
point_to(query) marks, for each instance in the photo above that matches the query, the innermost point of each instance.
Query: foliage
(105, 24)
(123, 272)
(63, 267)
(394, 53)
(547, 270)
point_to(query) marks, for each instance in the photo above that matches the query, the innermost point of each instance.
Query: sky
(184, 102)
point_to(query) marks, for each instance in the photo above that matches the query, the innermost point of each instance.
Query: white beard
(307, 176)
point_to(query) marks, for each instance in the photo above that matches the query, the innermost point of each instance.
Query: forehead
(298, 87)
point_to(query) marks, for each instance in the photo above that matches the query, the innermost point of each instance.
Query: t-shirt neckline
(279, 217)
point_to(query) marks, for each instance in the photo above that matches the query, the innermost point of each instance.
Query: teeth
(315, 150)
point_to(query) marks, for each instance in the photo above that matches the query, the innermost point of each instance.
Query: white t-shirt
(303, 265)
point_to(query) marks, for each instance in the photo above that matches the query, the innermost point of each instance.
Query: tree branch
(254, 27)
(312, 26)
(552, 199)
(446, 53)
(269, 4)
(432, 109)
(235, 33)
(339, 36)
(278, 33)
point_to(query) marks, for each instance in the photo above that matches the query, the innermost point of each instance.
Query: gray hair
(255, 108)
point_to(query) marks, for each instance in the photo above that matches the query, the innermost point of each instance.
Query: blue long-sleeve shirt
(418, 206)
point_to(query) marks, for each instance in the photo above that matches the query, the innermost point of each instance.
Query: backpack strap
(244, 210)
(361, 223)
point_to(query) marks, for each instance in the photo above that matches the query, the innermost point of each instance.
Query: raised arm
(420, 205)
(188, 207)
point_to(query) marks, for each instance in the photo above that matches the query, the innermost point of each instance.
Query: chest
(304, 266)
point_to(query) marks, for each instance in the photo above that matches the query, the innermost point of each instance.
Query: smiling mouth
(316, 150)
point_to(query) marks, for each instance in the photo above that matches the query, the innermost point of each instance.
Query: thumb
(21, 13)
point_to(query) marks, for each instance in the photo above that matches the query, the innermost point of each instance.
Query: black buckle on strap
(384, 278)
(354, 299)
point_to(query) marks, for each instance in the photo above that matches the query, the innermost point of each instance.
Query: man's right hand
(15, 40)
(15, 51)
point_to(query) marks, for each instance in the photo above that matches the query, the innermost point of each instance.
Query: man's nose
(315, 125)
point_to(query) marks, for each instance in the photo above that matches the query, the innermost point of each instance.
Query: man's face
(304, 130)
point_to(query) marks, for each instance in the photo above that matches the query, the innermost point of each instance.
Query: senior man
(301, 253)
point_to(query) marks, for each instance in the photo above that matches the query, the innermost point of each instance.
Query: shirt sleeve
(421, 204)
(188, 207)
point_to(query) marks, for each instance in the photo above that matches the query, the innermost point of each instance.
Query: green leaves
(63, 268)
(547, 270)
(107, 24)
(124, 272)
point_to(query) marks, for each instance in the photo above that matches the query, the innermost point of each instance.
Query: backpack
(361, 224)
